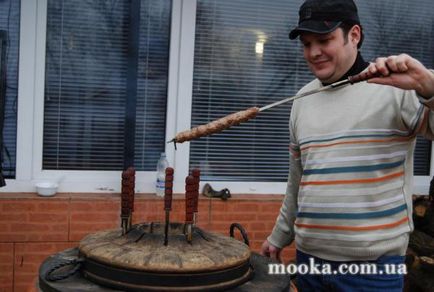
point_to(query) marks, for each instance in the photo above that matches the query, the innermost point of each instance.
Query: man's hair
(346, 27)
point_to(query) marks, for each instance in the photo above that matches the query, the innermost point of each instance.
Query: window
(243, 58)
(106, 84)
(9, 36)
(78, 68)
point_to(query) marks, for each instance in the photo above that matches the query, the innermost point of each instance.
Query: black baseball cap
(324, 16)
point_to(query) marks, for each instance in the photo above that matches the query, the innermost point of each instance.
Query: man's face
(329, 56)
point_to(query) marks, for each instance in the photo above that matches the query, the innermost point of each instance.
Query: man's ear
(355, 35)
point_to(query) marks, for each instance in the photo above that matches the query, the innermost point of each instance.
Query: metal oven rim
(132, 280)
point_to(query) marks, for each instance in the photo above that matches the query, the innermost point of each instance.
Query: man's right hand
(271, 251)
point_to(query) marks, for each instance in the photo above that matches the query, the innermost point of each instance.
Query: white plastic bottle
(161, 175)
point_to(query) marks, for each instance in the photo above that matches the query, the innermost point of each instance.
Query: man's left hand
(404, 72)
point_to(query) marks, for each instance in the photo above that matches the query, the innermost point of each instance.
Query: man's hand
(404, 72)
(270, 251)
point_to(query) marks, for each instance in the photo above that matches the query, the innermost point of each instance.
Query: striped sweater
(351, 169)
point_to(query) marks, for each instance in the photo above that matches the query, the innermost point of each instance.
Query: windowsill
(139, 197)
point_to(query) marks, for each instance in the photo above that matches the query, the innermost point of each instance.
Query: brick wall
(32, 227)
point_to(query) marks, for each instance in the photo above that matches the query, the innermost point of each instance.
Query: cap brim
(315, 26)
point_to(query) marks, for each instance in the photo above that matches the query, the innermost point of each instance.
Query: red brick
(54, 206)
(244, 207)
(59, 227)
(220, 226)
(202, 217)
(28, 258)
(142, 207)
(90, 204)
(219, 206)
(259, 235)
(270, 224)
(4, 228)
(89, 226)
(6, 266)
(270, 207)
(98, 205)
(13, 217)
(50, 237)
(94, 217)
(29, 223)
(28, 227)
(257, 226)
(11, 237)
(141, 218)
(204, 204)
(17, 206)
(48, 218)
(267, 217)
(23, 237)
(22, 283)
(234, 217)
(79, 230)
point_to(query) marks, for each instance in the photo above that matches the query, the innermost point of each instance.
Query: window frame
(31, 69)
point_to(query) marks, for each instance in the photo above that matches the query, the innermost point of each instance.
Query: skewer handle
(127, 191)
(196, 176)
(189, 199)
(168, 189)
(363, 76)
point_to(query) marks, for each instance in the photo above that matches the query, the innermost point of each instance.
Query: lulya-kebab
(245, 115)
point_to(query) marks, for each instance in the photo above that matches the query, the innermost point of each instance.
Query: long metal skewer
(288, 99)
(242, 116)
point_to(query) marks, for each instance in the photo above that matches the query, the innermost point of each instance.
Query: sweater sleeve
(283, 231)
(418, 115)
(424, 120)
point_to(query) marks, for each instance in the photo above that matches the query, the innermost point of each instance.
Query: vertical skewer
(196, 176)
(189, 206)
(168, 189)
(127, 199)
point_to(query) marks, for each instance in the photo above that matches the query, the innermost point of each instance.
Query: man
(348, 198)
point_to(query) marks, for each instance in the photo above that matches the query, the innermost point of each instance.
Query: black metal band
(120, 278)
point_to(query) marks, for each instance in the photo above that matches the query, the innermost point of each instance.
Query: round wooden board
(143, 249)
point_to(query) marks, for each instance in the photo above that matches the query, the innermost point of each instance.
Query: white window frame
(31, 108)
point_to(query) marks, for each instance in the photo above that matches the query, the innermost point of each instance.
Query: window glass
(243, 58)
(92, 74)
(9, 39)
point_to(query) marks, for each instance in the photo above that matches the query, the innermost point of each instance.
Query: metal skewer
(288, 99)
(242, 116)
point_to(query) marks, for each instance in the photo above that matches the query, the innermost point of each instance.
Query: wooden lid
(143, 249)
